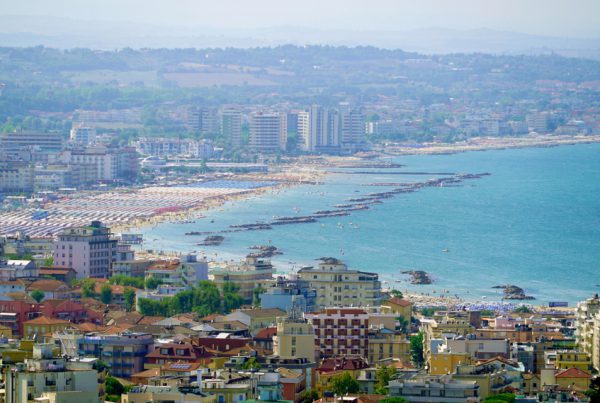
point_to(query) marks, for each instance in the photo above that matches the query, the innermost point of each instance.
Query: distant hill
(66, 33)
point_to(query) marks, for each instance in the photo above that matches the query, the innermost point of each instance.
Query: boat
(445, 250)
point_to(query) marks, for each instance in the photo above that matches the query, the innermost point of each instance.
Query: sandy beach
(485, 143)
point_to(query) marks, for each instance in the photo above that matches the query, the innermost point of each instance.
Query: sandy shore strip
(485, 143)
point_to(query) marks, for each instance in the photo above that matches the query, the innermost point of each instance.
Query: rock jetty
(514, 292)
(418, 277)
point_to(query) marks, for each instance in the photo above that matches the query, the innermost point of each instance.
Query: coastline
(288, 176)
(486, 143)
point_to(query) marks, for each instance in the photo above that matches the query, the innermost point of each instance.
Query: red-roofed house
(573, 379)
(264, 338)
(172, 352)
(398, 306)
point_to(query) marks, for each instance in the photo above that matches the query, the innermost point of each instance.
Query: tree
(309, 396)
(88, 288)
(523, 309)
(501, 398)
(416, 349)
(106, 294)
(403, 324)
(251, 363)
(343, 384)
(594, 391)
(396, 399)
(37, 295)
(231, 298)
(396, 293)
(121, 279)
(49, 261)
(129, 297)
(382, 378)
(256, 293)
(153, 283)
(113, 386)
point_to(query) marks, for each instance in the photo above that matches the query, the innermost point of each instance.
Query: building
(398, 306)
(90, 250)
(16, 177)
(11, 270)
(493, 376)
(176, 394)
(295, 337)
(231, 125)
(165, 353)
(341, 331)
(586, 327)
(83, 135)
(256, 319)
(203, 121)
(64, 274)
(435, 389)
(336, 285)
(38, 328)
(385, 344)
(566, 359)
(248, 275)
(172, 147)
(285, 294)
(125, 353)
(52, 379)
(352, 127)
(268, 132)
(14, 142)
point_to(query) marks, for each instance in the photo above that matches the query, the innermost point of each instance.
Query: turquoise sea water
(535, 222)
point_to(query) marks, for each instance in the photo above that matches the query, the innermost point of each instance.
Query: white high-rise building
(304, 138)
(352, 122)
(231, 125)
(268, 131)
(83, 135)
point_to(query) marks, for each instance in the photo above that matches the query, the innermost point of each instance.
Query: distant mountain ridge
(68, 33)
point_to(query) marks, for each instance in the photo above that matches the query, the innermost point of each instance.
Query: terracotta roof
(399, 301)
(149, 373)
(266, 333)
(150, 320)
(181, 366)
(573, 373)
(48, 285)
(288, 373)
(342, 364)
(262, 313)
(44, 320)
(131, 318)
(189, 352)
(211, 318)
(56, 270)
(164, 265)
(88, 327)
(501, 359)
(117, 329)
(21, 296)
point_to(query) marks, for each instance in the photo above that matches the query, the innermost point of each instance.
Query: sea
(534, 222)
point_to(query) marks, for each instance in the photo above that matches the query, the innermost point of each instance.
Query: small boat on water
(445, 250)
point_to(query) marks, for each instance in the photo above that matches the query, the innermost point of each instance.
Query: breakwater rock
(514, 292)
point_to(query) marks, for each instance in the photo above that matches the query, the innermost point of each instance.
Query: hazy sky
(546, 17)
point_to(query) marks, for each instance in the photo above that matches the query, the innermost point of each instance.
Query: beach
(485, 143)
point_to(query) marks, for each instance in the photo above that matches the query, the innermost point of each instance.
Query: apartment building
(341, 331)
(337, 285)
(89, 250)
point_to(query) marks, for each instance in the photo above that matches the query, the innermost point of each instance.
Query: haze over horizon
(535, 17)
